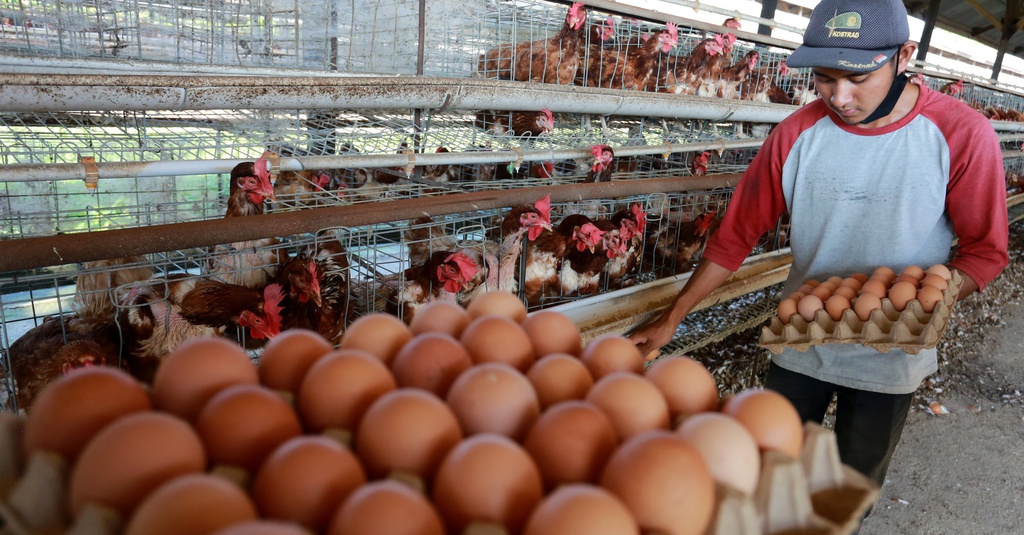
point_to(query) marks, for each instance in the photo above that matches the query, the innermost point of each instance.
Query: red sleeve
(758, 202)
(976, 193)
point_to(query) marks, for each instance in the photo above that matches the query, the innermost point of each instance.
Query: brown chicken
(301, 188)
(800, 90)
(442, 173)
(761, 87)
(441, 278)
(673, 244)
(248, 263)
(635, 68)
(553, 61)
(221, 306)
(699, 165)
(698, 74)
(734, 77)
(601, 37)
(632, 224)
(593, 244)
(603, 165)
(517, 123)
(87, 337)
(315, 284)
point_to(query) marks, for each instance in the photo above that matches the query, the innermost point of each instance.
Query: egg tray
(910, 330)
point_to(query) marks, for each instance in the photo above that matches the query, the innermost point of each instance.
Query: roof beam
(984, 13)
(981, 29)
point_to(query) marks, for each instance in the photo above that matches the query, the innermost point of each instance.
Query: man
(876, 172)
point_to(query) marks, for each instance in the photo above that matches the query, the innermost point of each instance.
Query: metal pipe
(65, 93)
(30, 253)
(108, 170)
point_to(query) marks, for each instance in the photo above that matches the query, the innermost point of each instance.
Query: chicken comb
(467, 266)
(596, 150)
(673, 31)
(592, 233)
(272, 297)
(608, 28)
(549, 116)
(574, 10)
(783, 69)
(314, 284)
(544, 207)
(261, 167)
(641, 218)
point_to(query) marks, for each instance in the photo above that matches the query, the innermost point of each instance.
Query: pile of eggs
(864, 294)
(479, 417)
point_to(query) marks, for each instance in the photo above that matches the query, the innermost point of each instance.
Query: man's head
(852, 35)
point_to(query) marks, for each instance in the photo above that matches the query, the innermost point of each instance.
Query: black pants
(868, 424)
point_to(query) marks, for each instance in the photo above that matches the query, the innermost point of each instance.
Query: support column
(767, 12)
(929, 26)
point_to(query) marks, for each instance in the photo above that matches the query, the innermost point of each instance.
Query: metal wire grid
(980, 98)
(717, 322)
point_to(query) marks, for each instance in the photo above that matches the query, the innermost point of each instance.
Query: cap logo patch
(844, 25)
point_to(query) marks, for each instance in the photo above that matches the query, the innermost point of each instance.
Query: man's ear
(906, 54)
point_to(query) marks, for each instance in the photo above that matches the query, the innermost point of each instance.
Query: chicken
(953, 89)
(86, 337)
(600, 37)
(735, 76)
(442, 173)
(699, 73)
(517, 123)
(632, 224)
(1014, 183)
(635, 68)
(761, 87)
(300, 188)
(542, 170)
(543, 257)
(732, 23)
(592, 243)
(216, 304)
(699, 165)
(601, 168)
(498, 257)
(675, 242)
(440, 278)
(391, 175)
(553, 61)
(151, 323)
(800, 90)
(248, 263)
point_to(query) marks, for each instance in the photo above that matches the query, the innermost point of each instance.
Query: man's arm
(705, 279)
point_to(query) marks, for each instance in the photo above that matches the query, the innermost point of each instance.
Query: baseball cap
(852, 35)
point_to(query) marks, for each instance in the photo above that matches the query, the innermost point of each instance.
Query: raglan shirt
(861, 198)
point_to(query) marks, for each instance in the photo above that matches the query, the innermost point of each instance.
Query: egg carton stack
(912, 326)
(469, 421)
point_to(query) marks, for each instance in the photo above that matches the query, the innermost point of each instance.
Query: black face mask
(895, 90)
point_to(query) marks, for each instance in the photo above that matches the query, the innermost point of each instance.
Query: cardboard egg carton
(813, 495)
(886, 329)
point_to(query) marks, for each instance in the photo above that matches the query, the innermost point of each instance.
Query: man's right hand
(649, 338)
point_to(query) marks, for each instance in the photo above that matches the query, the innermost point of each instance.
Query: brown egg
(847, 292)
(884, 271)
(611, 353)
(728, 449)
(637, 474)
(487, 478)
(440, 317)
(559, 377)
(929, 296)
(787, 307)
(131, 457)
(860, 277)
(339, 388)
(430, 361)
(305, 480)
(906, 277)
(812, 282)
(381, 335)
(288, 356)
(242, 424)
(805, 289)
(407, 430)
(494, 398)
(936, 280)
(865, 304)
(914, 271)
(809, 306)
(941, 270)
(853, 283)
(796, 296)
(498, 303)
(386, 508)
(875, 287)
(581, 509)
(571, 442)
(198, 504)
(72, 409)
(835, 281)
(552, 332)
(263, 527)
(836, 305)
(901, 293)
(633, 404)
(687, 385)
(770, 418)
(492, 338)
(823, 291)
(191, 374)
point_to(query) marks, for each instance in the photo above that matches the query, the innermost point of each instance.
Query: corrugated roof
(981, 20)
